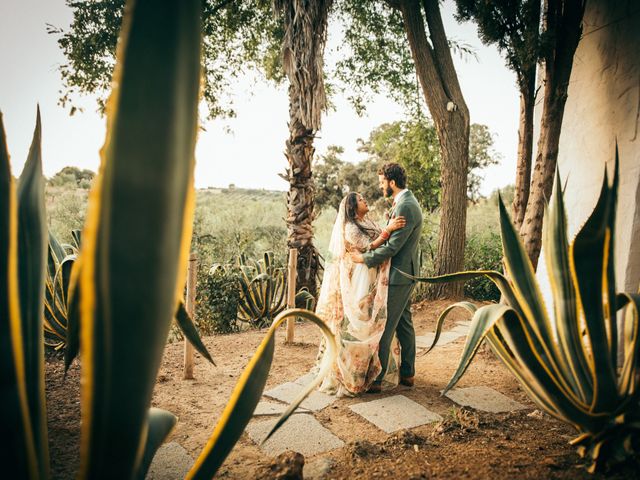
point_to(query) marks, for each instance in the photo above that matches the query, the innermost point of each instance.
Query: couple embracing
(364, 299)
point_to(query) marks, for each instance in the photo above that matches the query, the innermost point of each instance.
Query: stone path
(483, 398)
(316, 438)
(171, 461)
(389, 414)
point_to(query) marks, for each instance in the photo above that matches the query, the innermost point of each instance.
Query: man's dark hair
(393, 171)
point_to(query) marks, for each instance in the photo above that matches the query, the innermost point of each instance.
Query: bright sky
(252, 154)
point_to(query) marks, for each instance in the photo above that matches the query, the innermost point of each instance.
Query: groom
(402, 248)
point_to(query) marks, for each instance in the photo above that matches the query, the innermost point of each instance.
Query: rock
(318, 469)
(286, 466)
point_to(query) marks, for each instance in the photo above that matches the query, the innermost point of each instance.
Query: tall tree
(237, 35)
(305, 35)
(562, 24)
(390, 45)
(514, 27)
(441, 90)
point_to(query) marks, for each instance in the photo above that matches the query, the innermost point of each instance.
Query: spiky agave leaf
(569, 367)
(247, 394)
(135, 244)
(32, 264)
(19, 445)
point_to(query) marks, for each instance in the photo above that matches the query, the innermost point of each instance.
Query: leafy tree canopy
(73, 176)
(513, 26)
(414, 145)
(237, 35)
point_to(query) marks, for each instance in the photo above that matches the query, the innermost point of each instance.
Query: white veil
(336, 244)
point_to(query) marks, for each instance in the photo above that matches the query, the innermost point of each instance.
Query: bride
(353, 300)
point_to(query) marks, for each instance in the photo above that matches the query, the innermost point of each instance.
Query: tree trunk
(563, 21)
(439, 82)
(525, 152)
(300, 199)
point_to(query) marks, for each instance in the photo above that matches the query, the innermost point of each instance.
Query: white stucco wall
(603, 105)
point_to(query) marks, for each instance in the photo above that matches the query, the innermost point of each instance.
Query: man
(402, 248)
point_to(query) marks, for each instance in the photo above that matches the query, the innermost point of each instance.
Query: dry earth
(467, 444)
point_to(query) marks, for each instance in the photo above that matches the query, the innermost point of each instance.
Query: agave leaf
(191, 332)
(516, 335)
(564, 296)
(520, 270)
(160, 424)
(76, 235)
(135, 244)
(589, 254)
(628, 384)
(609, 299)
(72, 343)
(247, 394)
(18, 441)
(32, 264)
(468, 306)
(484, 318)
(56, 254)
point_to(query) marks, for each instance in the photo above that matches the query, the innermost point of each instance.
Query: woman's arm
(395, 224)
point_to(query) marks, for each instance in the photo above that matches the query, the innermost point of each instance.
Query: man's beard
(388, 192)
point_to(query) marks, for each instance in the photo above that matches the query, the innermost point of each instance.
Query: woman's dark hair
(351, 213)
(393, 171)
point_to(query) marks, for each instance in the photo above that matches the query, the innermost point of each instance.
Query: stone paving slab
(301, 433)
(484, 398)
(287, 392)
(271, 408)
(306, 379)
(170, 462)
(395, 413)
(463, 329)
(425, 341)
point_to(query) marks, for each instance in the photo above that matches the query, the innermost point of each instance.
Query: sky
(248, 150)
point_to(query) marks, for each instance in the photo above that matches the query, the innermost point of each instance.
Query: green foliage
(217, 299)
(567, 364)
(229, 223)
(237, 35)
(513, 26)
(376, 57)
(72, 176)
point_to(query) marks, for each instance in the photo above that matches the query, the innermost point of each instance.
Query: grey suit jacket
(403, 247)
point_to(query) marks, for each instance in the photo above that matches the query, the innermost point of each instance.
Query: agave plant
(567, 362)
(60, 261)
(128, 282)
(262, 288)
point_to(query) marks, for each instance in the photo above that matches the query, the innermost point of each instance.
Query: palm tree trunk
(305, 35)
(300, 199)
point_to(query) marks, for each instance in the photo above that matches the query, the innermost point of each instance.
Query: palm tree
(305, 33)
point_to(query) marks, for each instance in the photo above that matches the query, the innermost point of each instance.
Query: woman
(353, 300)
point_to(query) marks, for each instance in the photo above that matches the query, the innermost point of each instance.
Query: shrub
(483, 251)
(217, 300)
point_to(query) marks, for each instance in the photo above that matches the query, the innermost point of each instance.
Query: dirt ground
(467, 444)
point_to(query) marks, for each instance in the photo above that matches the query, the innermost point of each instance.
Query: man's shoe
(407, 381)
(375, 388)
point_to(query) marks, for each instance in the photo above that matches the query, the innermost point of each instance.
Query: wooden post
(292, 269)
(191, 302)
